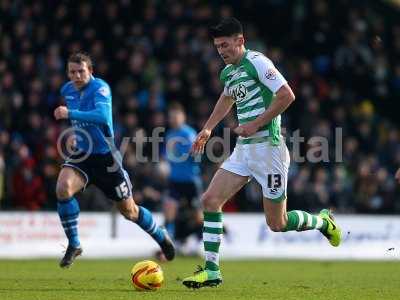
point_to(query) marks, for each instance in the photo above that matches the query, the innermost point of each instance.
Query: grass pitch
(253, 279)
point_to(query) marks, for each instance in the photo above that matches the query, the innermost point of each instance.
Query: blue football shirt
(90, 112)
(179, 141)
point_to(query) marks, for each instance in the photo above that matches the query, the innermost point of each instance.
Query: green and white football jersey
(252, 83)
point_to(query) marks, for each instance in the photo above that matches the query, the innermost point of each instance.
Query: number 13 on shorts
(275, 187)
(274, 181)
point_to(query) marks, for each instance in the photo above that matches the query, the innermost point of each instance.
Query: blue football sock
(147, 223)
(68, 211)
(170, 226)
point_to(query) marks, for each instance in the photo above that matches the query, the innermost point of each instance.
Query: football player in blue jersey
(185, 184)
(96, 161)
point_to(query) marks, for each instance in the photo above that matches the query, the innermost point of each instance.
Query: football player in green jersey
(261, 94)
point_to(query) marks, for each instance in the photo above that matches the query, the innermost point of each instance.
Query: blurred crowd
(340, 57)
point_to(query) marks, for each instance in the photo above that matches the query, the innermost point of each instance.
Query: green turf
(258, 279)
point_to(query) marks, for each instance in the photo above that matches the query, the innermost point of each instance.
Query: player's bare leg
(222, 187)
(141, 216)
(69, 182)
(128, 209)
(275, 214)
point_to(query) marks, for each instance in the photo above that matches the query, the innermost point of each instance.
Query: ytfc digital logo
(76, 144)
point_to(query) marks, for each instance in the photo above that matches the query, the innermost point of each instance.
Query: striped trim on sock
(212, 235)
(319, 222)
(308, 221)
(68, 211)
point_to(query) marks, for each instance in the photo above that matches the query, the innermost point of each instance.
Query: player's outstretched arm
(284, 97)
(97, 115)
(222, 107)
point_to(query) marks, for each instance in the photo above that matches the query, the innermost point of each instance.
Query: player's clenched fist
(200, 142)
(246, 130)
(61, 112)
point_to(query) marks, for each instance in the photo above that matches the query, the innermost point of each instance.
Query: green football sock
(300, 221)
(212, 234)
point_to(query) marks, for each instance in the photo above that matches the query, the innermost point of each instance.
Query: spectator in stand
(156, 53)
(398, 175)
(28, 189)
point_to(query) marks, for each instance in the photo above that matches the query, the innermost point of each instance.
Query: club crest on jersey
(105, 91)
(239, 92)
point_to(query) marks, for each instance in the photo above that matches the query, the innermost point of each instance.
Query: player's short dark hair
(227, 27)
(80, 57)
(176, 106)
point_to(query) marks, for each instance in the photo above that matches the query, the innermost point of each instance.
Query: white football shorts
(268, 164)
